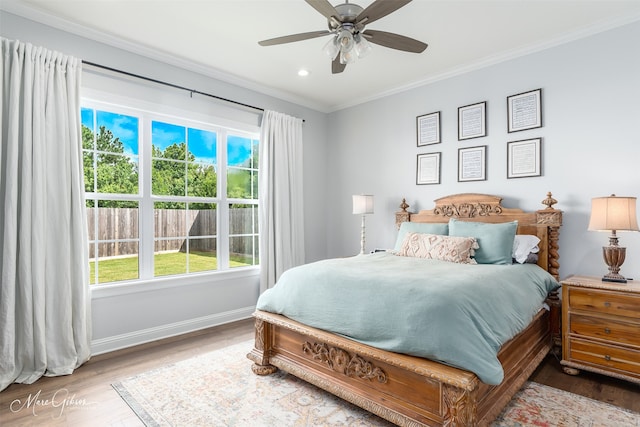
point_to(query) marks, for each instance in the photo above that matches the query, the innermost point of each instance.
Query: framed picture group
(524, 156)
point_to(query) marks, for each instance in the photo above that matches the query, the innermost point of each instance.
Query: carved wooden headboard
(544, 223)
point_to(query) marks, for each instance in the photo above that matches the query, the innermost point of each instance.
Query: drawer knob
(607, 304)
(607, 357)
(607, 330)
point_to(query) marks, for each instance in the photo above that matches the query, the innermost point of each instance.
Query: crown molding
(497, 59)
(37, 15)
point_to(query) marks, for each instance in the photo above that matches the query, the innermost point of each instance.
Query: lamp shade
(332, 48)
(345, 40)
(613, 213)
(362, 204)
(362, 47)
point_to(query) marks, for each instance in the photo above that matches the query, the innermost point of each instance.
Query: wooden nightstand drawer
(618, 358)
(605, 302)
(605, 329)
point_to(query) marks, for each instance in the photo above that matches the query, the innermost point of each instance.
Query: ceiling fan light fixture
(346, 26)
(362, 47)
(345, 40)
(348, 11)
(332, 48)
(348, 56)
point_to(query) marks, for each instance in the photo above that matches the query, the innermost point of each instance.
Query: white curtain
(281, 204)
(44, 298)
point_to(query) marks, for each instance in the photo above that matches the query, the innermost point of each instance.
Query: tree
(202, 182)
(115, 172)
(87, 156)
(242, 181)
(169, 174)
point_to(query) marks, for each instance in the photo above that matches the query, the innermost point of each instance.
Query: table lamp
(613, 214)
(362, 205)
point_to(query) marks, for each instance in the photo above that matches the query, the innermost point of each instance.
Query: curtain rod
(192, 91)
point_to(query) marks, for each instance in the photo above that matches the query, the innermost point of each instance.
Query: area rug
(219, 389)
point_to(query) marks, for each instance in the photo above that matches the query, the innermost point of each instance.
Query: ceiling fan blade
(324, 7)
(379, 9)
(394, 41)
(337, 66)
(294, 38)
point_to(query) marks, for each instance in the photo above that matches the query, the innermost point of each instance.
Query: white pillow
(523, 244)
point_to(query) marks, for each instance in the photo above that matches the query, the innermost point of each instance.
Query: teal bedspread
(458, 314)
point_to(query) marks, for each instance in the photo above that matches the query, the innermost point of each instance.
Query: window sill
(158, 283)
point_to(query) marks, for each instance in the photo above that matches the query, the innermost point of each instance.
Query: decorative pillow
(419, 227)
(523, 245)
(531, 259)
(495, 240)
(436, 246)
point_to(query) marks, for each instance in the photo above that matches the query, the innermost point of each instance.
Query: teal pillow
(495, 240)
(441, 228)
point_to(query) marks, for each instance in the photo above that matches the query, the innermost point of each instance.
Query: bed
(409, 390)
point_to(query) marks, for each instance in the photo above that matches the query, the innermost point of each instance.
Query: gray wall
(590, 148)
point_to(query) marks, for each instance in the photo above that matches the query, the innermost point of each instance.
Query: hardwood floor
(91, 399)
(86, 398)
(617, 392)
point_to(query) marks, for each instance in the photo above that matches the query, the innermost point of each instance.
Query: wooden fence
(118, 224)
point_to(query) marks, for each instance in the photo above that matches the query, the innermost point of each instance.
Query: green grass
(165, 264)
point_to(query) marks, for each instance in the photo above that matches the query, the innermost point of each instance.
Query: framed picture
(472, 121)
(428, 129)
(472, 163)
(428, 169)
(524, 111)
(523, 158)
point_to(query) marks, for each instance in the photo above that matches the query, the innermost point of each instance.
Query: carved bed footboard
(405, 390)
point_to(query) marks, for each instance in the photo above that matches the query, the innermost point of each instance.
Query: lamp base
(614, 257)
(614, 278)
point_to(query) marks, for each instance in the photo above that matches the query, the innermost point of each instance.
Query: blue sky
(123, 127)
(238, 150)
(201, 143)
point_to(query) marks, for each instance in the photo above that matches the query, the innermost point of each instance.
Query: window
(242, 184)
(167, 195)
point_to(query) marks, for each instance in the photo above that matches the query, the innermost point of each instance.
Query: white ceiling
(219, 38)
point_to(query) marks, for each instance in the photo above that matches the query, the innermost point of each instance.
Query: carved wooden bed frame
(407, 390)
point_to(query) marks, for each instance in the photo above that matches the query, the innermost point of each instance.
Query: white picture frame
(428, 129)
(428, 168)
(472, 121)
(472, 164)
(524, 111)
(524, 158)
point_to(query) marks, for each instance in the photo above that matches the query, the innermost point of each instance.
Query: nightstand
(601, 327)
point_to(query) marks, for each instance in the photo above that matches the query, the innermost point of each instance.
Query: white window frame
(146, 113)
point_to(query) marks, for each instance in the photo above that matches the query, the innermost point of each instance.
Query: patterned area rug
(219, 389)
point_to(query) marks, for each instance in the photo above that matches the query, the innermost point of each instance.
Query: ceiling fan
(350, 40)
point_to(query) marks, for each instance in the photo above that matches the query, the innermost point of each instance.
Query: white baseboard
(117, 342)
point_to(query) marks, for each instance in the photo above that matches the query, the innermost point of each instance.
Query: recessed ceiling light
(303, 72)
